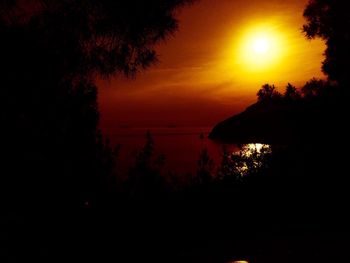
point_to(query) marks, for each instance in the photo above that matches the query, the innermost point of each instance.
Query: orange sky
(202, 76)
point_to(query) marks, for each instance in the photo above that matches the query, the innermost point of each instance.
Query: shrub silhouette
(205, 166)
(145, 179)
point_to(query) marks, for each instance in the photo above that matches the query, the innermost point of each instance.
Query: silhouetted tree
(145, 179)
(328, 19)
(205, 166)
(226, 167)
(291, 93)
(268, 93)
(313, 88)
(102, 37)
(51, 52)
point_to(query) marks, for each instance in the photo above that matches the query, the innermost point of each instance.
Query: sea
(180, 146)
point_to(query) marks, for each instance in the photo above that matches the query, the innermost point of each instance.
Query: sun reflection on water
(251, 157)
(256, 148)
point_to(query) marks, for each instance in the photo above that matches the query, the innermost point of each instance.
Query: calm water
(180, 145)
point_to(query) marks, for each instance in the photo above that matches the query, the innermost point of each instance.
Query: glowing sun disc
(261, 45)
(260, 48)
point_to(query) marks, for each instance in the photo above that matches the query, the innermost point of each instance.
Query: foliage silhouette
(268, 93)
(249, 160)
(145, 179)
(291, 93)
(328, 19)
(313, 88)
(205, 167)
(52, 151)
(101, 37)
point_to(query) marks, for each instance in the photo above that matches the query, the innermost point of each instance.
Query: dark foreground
(255, 225)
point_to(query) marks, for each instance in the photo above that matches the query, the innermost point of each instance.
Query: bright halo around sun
(260, 48)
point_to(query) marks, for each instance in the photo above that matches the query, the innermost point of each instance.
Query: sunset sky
(213, 66)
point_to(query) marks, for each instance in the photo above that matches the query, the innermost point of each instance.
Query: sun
(261, 45)
(260, 48)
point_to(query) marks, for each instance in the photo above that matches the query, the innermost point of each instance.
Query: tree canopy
(329, 20)
(93, 36)
(51, 51)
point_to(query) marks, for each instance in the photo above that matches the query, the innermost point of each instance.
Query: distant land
(262, 122)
